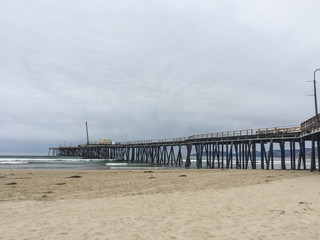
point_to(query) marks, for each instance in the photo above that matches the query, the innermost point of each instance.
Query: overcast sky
(151, 69)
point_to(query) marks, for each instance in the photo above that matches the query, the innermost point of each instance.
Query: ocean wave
(16, 162)
(25, 160)
(116, 164)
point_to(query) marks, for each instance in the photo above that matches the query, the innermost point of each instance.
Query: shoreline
(160, 204)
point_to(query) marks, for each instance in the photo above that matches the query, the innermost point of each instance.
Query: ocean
(71, 163)
(76, 163)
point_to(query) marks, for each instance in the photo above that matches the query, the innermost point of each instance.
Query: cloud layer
(152, 69)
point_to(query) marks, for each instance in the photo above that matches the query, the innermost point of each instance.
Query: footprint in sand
(278, 211)
(306, 205)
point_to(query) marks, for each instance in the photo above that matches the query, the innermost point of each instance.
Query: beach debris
(183, 176)
(75, 176)
(44, 196)
(12, 183)
(148, 171)
(61, 183)
(48, 192)
(268, 180)
(151, 177)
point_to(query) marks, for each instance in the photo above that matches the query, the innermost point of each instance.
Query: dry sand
(159, 204)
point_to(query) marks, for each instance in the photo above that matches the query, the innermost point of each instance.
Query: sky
(152, 69)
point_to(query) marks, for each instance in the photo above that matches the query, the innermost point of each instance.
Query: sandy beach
(159, 204)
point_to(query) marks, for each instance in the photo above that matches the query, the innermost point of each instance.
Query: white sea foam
(16, 162)
(116, 164)
(25, 160)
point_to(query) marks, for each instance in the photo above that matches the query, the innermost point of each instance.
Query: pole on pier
(315, 94)
(313, 155)
(318, 148)
(87, 133)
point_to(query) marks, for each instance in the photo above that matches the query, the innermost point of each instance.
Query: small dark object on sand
(183, 176)
(76, 176)
(148, 171)
(151, 177)
(63, 183)
(12, 183)
(44, 196)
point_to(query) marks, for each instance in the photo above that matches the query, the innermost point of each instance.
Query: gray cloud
(153, 69)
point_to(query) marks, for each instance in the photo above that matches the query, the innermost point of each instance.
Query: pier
(253, 148)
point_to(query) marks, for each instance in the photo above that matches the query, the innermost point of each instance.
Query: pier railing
(228, 134)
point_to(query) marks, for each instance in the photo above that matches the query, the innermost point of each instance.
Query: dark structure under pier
(235, 149)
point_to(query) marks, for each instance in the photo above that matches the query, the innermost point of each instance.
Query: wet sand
(159, 204)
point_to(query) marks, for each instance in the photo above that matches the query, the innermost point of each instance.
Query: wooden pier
(243, 149)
